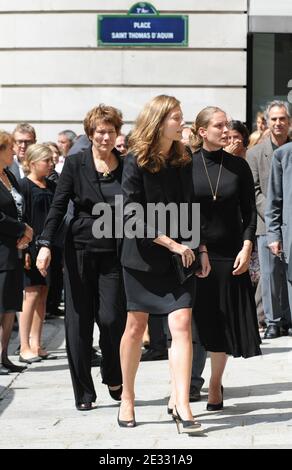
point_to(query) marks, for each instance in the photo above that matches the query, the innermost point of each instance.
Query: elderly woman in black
(14, 237)
(93, 281)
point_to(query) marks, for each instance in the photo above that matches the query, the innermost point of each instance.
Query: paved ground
(37, 408)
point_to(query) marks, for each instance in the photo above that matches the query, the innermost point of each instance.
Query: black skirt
(225, 312)
(158, 294)
(11, 289)
(32, 277)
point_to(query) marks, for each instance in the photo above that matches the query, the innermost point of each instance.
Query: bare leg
(218, 363)
(130, 357)
(172, 400)
(38, 321)
(30, 301)
(181, 359)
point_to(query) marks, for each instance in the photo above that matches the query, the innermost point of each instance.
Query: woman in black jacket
(157, 171)
(93, 280)
(14, 237)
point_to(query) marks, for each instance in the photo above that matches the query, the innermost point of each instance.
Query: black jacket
(141, 186)
(78, 182)
(10, 228)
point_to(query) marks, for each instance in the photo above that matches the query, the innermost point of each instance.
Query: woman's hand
(242, 261)
(233, 147)
(22, 243)
(27, 261)
(43, 260)
(26, 238)
(206, 267)
(188, 256)
(28, 233)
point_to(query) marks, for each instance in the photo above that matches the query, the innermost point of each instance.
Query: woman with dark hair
(15, 236)
(238, 137)
(158, 170)
(224, 309)
(92, 277)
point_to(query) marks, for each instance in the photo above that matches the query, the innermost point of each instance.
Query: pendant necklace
(214, 193)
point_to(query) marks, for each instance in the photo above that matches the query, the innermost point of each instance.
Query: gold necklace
(214, 193)
(5, 181)
(101, 168)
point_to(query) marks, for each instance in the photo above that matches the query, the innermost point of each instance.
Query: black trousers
(56, 280)
(93, 291)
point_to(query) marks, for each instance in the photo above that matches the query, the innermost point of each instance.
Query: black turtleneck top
(230, 219)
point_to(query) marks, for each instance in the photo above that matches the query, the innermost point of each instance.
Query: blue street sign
(138, 28)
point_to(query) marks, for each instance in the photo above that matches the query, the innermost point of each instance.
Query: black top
(11, 229)
(110, 186)
(140, 186)
(230, 219)
(37, 202)
(78, 182)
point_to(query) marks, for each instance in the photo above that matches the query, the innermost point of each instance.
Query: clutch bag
(183, 273)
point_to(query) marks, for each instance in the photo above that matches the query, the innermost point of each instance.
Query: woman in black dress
(157, 170)
(14, 238)
(38, 194)
(224, 309)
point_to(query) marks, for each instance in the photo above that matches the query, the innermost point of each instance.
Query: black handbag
(183, 273)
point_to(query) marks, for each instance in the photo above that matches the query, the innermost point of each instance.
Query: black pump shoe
(216, 406)
(116, 394)
(84, 406)
(185, 425)
(126, 424)
(13, 367)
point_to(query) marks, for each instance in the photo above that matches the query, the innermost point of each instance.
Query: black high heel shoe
(116, 394)
(126, 424)
(216, 406)
(188, 426)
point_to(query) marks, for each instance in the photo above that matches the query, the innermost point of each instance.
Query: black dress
(224, 309)
(37, 202)
(155, 292)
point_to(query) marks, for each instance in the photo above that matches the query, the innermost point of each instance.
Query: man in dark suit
(273, 276)
(278, 215)
(24, 135)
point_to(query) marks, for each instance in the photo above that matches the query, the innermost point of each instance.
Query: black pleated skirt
(225, 312)
(158, 294)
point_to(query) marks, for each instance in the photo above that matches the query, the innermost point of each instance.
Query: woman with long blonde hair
(157, 170)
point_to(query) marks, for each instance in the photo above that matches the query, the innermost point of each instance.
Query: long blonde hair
(144, 141)
(202, 120)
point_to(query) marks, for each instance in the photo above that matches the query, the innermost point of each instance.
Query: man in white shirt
(65, 141)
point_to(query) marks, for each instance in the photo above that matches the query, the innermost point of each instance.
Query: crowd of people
(60, 208)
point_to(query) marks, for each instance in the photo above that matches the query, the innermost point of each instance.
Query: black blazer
(141, 186)
(78, 182)
(10, 228)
